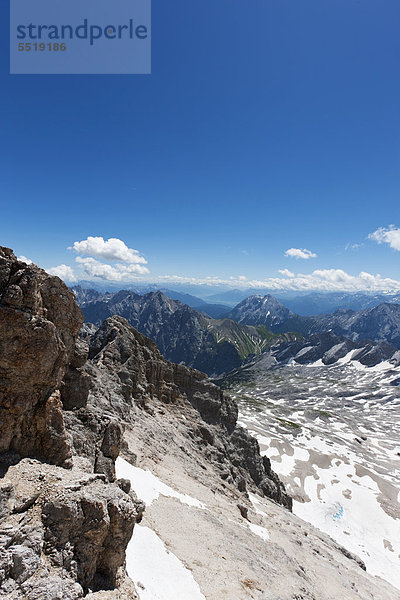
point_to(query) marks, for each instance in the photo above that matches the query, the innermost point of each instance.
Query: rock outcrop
(39, 321)
(63, 531)
(128, 372)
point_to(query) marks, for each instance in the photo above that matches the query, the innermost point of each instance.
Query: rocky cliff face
(39, 322)
(63, 527)
(131, 375)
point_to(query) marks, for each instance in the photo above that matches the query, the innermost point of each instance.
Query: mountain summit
(261, 310)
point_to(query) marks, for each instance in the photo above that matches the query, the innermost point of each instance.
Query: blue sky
(264, 126)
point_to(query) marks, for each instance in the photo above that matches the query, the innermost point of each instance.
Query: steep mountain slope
(127, 369)
(318, 350)
(381, 323)
(193, 467)
(181, 333)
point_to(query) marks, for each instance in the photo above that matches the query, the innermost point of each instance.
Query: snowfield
(333, 436)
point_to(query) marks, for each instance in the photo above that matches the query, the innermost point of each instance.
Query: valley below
(332, 434)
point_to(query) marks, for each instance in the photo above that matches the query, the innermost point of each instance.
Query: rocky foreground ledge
(71, 404)
(64, 522)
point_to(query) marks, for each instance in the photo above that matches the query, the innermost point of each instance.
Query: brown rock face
(63, 532)
(39, 321)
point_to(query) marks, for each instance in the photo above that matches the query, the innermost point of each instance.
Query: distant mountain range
(218, 345)
(182, 334)
(84, 294)
(216, 304)
(310, 303)
(316, 303)
(380, 323)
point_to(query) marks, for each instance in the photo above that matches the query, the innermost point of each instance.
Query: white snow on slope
(344, 505)
(347, 508)
(148, 487)
(260, 531)
(157, 573)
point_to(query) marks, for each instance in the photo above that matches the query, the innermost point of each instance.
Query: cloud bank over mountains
(328, 280)
(119, 272)
(112, 260)
(64, 272)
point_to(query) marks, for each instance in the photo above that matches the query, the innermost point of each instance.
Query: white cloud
(321, 279)
(64, 272)
(111, 249)
(128, 263)
(353, 246)
(286, 273)
(300, 253)
(118, 272)
(23, 258)
(387, 235)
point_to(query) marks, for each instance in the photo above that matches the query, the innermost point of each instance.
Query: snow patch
(157, 573)
(148, 487)
(260, 531)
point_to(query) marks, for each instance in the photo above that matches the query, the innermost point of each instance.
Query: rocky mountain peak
(260, 310)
